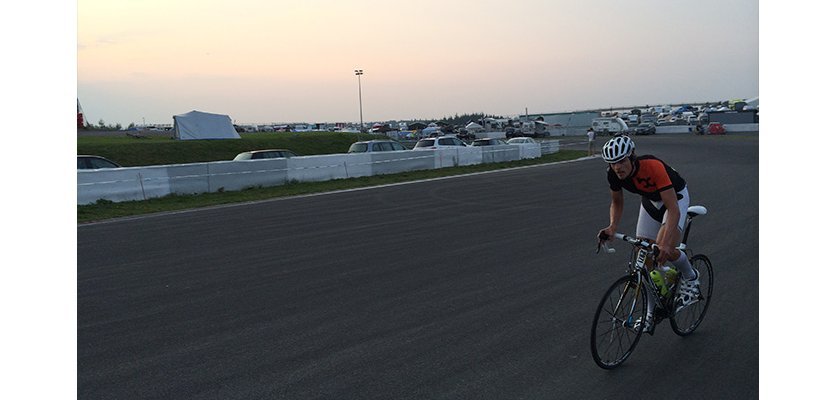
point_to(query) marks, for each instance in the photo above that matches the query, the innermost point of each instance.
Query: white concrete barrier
(549, 146)
(673, 129)
(690, 128)
(140, 183)
(502, 153)
(234, 175)
(119, 184)
(327, 167)
(392, 162)
(529, 150)
(742, 127)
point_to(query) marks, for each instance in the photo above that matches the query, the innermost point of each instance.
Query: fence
(141, 183)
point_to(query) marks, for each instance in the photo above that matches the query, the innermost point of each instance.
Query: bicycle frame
(640, 265)
(642, 261)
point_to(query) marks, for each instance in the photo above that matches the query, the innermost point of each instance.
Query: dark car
(645, 128)
(95, 162)
(265, 154)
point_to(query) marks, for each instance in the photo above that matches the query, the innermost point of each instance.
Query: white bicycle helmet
(618, 148)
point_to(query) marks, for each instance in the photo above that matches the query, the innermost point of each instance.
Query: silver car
(488, 142)
(376, 145)
(265, 154)
(521, 140)
(443, 142)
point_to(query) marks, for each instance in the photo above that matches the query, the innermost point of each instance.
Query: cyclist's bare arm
(615, 213)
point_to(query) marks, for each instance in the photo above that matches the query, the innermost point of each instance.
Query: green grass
(106, 210)
(134, 152)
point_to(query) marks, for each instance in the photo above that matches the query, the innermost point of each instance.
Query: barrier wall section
(141, 183)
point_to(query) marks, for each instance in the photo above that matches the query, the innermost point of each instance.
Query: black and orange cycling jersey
(649, 178)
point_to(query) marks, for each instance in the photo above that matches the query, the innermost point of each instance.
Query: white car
(264, 154)
(375, 145)
(488, 142)
(521, 140)
(443, 142)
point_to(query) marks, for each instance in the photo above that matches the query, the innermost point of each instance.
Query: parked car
(609, 126)
(521, 140)
(265, 154)
(511, 132)
(488, 142)
(716, 128)
(376, 145)
(442, 142)
(464, 134)
(645, 128)
(95, 162)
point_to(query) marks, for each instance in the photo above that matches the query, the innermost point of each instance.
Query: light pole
(358, 73)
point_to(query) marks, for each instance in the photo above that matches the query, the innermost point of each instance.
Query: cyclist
(664, 198)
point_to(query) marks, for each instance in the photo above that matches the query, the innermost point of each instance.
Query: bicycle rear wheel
(618, 323)
(688, 319)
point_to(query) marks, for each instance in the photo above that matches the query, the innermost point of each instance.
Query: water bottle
(658, 279)
(670, 275)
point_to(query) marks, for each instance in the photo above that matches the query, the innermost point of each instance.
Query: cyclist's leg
(688, 290)
(647, 229)
(681, 263)
(648, 226)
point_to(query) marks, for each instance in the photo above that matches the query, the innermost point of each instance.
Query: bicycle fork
(630, 319)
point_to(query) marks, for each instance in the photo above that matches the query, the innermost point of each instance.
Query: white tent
(474, 127)
(753, 103)
(199, 125)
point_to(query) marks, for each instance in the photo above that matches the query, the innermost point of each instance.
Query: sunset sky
(294, 61)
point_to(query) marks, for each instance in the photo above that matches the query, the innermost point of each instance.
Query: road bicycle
(620, 318)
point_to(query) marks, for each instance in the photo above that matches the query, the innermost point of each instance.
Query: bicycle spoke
(614, 334)
(689, 318)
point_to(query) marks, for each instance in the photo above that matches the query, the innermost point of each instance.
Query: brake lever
(605, 245)
(602, 241)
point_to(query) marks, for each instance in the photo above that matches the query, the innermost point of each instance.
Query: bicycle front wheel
(685, 321)
(618, 322)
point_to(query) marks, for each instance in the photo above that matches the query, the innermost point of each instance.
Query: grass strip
(104, 209)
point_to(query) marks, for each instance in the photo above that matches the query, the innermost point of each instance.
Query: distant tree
(102, 126)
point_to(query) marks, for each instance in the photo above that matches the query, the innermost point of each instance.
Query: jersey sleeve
(658, 173)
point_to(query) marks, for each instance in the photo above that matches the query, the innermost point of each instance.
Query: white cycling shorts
(648, 226)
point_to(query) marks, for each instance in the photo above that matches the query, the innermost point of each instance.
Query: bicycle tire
(689, 318)
(616, 330)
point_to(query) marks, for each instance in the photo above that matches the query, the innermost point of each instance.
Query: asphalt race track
(475, 287)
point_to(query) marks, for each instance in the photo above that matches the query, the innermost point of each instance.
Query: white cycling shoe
(648, 327)
(688, 292)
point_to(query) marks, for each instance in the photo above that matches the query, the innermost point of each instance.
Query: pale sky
(263, 61)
